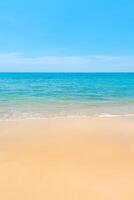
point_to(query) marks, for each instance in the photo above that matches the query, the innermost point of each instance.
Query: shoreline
(103, 115)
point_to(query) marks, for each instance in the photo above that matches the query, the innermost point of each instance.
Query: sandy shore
(67, 159)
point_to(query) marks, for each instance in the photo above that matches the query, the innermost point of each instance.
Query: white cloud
(19, 62)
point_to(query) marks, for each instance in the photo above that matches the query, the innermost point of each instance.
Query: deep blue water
(26, 95)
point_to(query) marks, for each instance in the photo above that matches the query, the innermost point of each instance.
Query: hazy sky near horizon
(67, 35)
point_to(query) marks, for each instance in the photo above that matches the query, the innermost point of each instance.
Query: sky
(67, 35)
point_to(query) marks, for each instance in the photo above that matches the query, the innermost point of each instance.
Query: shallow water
(38, 95)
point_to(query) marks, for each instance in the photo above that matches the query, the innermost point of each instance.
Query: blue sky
(67, 35)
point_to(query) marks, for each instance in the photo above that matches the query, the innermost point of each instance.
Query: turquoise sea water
(39, 95)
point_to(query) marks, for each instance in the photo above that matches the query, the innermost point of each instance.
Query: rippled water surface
(35, 95)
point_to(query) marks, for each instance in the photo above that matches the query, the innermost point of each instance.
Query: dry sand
(67, 159)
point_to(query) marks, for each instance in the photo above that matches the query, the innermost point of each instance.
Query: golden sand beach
(67, 159)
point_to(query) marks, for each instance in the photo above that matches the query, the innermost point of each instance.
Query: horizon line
(66, 72)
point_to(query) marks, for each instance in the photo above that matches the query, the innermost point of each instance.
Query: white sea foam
(116, 115)
(102, 115)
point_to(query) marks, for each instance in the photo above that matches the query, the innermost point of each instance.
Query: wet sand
(67, 159)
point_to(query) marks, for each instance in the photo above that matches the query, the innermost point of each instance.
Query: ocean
(43, 95)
